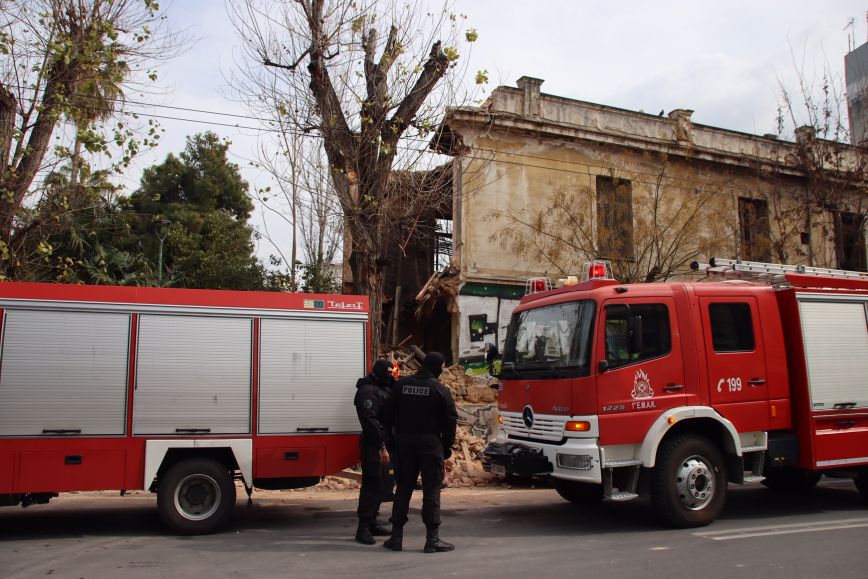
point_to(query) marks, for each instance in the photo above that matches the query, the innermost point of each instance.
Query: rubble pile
(338, 482)
(443, 284)
(463, 469)
(467, 389)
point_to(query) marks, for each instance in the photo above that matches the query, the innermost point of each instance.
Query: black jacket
(424, 407)
(371, 406)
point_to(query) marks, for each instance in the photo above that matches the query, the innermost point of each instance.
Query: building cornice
(576, 121)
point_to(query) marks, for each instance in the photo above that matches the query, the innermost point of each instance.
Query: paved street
(499, 532)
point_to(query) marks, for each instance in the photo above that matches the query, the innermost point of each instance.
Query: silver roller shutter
(308, 374)
(836, 351)
(193, 375)
(64, 371)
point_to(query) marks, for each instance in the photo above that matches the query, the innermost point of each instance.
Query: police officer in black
(425, 420)
(371, 401)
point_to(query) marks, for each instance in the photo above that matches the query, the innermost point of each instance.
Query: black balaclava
(382, 370)
(433, 362)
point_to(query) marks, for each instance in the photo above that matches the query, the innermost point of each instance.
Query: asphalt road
(499, 532)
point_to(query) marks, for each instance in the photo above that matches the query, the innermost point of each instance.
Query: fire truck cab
(680, 388)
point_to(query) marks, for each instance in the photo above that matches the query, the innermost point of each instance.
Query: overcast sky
(723, 59)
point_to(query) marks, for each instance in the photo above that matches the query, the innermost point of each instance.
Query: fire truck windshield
(550, 341)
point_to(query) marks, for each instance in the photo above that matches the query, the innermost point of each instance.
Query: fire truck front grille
(548, 428)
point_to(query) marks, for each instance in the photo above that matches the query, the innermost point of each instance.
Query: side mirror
(602, 366)
(491, 355)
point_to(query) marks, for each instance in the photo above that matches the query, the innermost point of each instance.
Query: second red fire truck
(179, 392)
(681, 388)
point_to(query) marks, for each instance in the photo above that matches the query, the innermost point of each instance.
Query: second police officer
(425, 418)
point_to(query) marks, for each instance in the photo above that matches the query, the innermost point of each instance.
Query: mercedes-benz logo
(527, 416)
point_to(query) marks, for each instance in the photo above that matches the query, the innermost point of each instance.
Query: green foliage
(74, 232)
(196, 206)
(317, 278)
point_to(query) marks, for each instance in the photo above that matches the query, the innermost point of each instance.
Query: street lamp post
(161, 238)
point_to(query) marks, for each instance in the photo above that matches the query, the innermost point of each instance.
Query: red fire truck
(680, 388)
(179, 392)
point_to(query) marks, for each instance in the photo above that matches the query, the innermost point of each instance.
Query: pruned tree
(651, 234)
(370, 79)
(67, 61)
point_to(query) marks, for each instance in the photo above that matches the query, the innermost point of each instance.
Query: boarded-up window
(753, 221)
(850, 238)
(615, 218)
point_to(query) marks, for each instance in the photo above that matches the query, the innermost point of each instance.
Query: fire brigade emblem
(642, 386)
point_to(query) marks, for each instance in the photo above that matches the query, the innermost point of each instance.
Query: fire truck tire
(196, 496)
(688, 483)
(791, 480)
(579, 493)
(861, 481)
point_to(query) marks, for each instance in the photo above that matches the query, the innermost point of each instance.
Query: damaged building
(541, 183)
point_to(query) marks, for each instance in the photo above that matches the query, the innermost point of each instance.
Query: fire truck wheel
(579, 493)
(688, 483)
(195, 497)
(861, 481)
(791, 480)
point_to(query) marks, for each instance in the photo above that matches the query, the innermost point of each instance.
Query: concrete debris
(468, 389)
(464, 469)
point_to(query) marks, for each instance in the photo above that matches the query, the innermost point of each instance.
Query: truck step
(748, 449)
(622, 496)
(622, 463)
(752, 478)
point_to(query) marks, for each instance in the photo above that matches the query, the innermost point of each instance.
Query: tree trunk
(17, 179)
(7, 128)
(368, 280)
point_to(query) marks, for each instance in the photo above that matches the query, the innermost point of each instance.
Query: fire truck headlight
(577, 426)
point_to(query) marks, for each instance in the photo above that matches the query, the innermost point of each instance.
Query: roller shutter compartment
(63, 373)
(836, 351)
(308, 374)
(193, 375)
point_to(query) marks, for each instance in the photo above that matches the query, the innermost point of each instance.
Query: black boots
(363, 533)
(433, 542)
(379, 530)
(395, 542)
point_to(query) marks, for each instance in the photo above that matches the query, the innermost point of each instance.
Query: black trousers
(373, 482)
(415, 457)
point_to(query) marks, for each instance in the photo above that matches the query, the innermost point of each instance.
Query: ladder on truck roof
(775, 273)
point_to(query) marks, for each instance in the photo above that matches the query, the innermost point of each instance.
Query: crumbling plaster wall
(519, 163)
